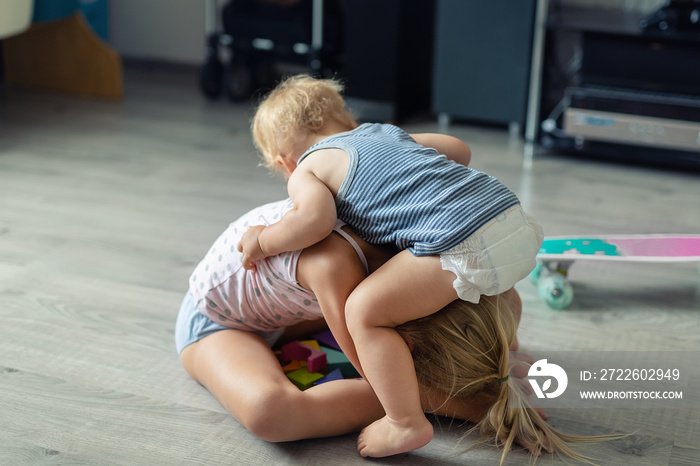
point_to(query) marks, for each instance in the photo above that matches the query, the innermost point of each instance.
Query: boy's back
(397, 191)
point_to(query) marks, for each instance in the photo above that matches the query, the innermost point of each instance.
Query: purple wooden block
(326, 338)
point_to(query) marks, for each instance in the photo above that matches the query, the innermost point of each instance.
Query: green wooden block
(304, 379)
(338, 360)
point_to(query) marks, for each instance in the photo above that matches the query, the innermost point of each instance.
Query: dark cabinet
(482, 60)
(388, 51)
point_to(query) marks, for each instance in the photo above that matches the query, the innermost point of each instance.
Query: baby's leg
(407, 287)
(243, 374)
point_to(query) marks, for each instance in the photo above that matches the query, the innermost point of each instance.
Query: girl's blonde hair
(463, 351)
(297, 106)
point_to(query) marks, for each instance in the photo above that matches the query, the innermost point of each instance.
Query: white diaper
(496, 257)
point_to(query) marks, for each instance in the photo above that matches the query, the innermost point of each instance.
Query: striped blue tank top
(397, 191)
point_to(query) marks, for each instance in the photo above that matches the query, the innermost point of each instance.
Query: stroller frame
(237, 79)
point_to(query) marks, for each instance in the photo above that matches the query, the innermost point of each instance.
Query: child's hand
(249, 245)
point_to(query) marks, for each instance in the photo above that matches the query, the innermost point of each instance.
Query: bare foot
(386, 437)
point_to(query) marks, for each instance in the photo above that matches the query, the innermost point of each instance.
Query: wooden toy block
(311, 343)
(296, 350)
(292, 366)
(338, 360)
(327, 339)
(304, 379)
(335, 374)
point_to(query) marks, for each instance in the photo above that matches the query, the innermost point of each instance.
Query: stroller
(265, 39)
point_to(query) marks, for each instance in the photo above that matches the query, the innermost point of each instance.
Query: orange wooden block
(291, 367)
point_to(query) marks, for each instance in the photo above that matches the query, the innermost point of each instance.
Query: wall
(163, 30)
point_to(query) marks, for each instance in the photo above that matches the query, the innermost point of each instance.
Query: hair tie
(504, 379)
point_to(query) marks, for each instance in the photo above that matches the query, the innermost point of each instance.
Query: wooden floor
(106, 207)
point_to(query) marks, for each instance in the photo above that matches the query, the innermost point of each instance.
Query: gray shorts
(192, 326)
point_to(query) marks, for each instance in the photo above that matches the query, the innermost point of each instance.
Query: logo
(543, 369)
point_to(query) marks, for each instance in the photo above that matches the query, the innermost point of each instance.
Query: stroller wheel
(210, 77)
(238, 79)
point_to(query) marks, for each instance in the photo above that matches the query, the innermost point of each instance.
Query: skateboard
(557, 254)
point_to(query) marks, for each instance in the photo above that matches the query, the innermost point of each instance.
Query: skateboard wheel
(556, 292)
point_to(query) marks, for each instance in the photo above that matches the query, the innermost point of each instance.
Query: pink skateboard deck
(646, 248)
(557, 254)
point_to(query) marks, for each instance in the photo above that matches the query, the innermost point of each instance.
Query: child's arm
(331, 269)
(452, 147)
(311, 219)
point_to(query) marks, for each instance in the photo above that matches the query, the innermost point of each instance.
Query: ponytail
(512, 419)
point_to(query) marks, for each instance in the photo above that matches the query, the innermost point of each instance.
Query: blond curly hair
(297, 106)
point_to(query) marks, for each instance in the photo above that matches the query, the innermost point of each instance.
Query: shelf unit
(609, 88)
